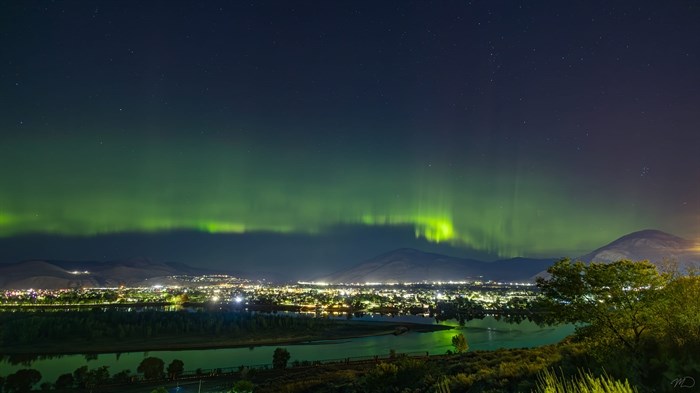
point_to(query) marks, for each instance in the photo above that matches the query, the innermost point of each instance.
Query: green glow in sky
(85, 187)
(319, 128)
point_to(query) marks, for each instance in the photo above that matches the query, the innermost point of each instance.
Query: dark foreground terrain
(114, 331)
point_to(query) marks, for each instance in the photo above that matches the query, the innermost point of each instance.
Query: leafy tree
(176, 368)
(22, 381)
(280, 358)
(64, 381)
(98, 376)
(675, 347)
(615, 299)
(80, 376)
(242, 386)
(460, 343)
(151, 367)
(123, 376)
(679, 311)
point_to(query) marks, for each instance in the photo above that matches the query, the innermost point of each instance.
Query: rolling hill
(397, 266)
(660, 248)
(653, 245)
(88, 274)
(410, 265)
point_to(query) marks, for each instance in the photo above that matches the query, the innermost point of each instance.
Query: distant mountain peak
(49, 274)
(648, 244)
(412, 265)
(650, 234)
(409, 251)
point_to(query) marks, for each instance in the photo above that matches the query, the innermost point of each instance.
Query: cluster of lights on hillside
(376, 284)
(315, 297)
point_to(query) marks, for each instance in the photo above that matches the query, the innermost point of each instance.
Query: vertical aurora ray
(295, 119)
(85, 190)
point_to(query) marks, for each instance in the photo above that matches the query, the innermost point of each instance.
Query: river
(484, 334)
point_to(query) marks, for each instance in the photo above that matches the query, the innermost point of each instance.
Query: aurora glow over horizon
(490, 210)
(482, 127)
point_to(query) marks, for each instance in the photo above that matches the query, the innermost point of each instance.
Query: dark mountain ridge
(649, 244)
(406, 265)
(49, 274)
(410, 265)
(397, 266)
(660, 248)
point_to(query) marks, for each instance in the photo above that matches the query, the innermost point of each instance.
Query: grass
(550, 382)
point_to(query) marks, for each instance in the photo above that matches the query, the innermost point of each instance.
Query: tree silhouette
(64, 381)
(616, 298)
(176, 368)
(242, 386)
(280, 358)
(460, 343)
(22, 381)
(80, 376)
(97, 376)
(151, 368)
(122, 376)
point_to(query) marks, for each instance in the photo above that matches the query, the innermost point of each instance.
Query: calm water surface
(486, 334)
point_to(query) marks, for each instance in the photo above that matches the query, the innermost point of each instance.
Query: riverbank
(344, 330)
(502, 370)
(487, 334)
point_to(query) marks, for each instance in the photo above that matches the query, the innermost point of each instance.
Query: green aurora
(242, 134)
(92, 186)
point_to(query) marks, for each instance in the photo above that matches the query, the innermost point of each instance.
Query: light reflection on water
(482, 334)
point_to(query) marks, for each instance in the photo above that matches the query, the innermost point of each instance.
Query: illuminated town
(231, 293)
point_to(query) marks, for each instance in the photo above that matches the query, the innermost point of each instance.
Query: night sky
(308, 135)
